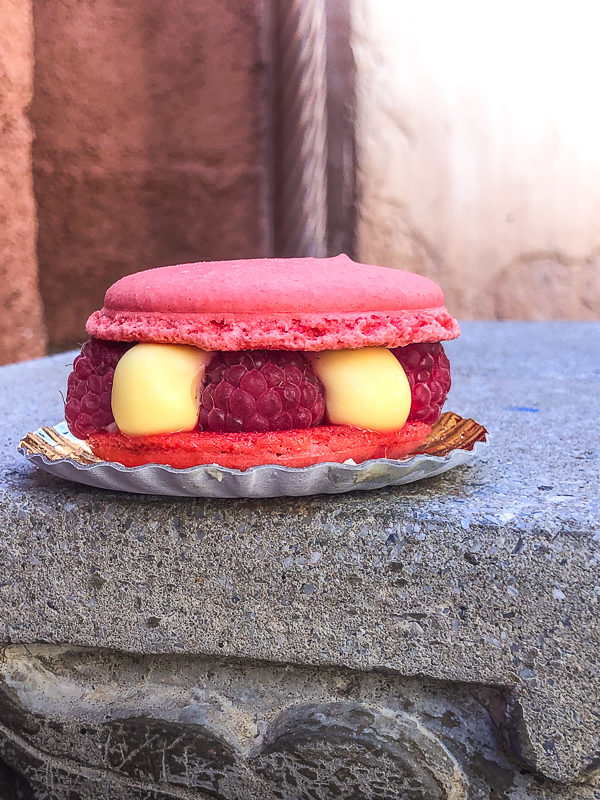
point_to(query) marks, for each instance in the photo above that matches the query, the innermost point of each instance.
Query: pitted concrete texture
(484, 581)
(22, 332)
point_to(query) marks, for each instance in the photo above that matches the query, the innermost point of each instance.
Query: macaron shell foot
(308, 332)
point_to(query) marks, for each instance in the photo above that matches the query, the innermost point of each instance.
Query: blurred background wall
(462, 142)
(478, 137)
(22, 332)
(151, 147)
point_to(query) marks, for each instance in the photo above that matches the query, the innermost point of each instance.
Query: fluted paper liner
(452, 441)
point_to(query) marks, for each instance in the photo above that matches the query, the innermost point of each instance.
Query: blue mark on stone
(529, 409)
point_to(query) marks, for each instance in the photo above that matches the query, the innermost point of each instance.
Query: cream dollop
(156, 387)
(366, 387)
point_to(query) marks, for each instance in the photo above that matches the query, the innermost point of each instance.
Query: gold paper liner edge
(450, 432)
(60, 448)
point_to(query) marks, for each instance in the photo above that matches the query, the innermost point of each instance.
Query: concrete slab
(485, 578)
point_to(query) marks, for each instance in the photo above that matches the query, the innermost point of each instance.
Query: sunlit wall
(479, 150)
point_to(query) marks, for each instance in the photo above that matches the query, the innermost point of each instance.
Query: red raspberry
(260, 390)
(88, 407)
(428, 371)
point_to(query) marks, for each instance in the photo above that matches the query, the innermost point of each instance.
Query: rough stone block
(434, 640)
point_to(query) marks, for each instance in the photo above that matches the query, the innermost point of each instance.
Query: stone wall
(21, 325)
(478, 161)
(86, 724)
(151, 124)
(153, 142)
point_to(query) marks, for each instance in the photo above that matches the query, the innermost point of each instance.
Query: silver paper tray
(453, 441)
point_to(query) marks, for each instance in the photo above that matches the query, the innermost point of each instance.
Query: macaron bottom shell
(291, 448)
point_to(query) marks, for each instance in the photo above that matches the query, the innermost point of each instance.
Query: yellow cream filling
(156, 387)
(366, 387)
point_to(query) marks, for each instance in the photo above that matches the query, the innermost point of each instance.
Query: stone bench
(438, 640)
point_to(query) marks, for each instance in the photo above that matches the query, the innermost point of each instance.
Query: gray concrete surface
(478, 588)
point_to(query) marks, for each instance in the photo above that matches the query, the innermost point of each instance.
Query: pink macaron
(258, 402)
(306, 304)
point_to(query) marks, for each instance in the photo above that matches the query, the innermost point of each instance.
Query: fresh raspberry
(260, 390)
(88, 407)
(428, 371)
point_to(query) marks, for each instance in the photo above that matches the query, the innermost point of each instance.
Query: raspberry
(260, 390)
(88, 406)
(428, 371)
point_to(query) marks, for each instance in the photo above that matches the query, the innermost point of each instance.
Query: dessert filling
(366, 388)
(152, 389)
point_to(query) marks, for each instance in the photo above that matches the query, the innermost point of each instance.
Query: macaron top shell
(295, 285)
(277, 303)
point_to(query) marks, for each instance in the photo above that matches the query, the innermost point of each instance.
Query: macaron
(282, 361)
(305, 304)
